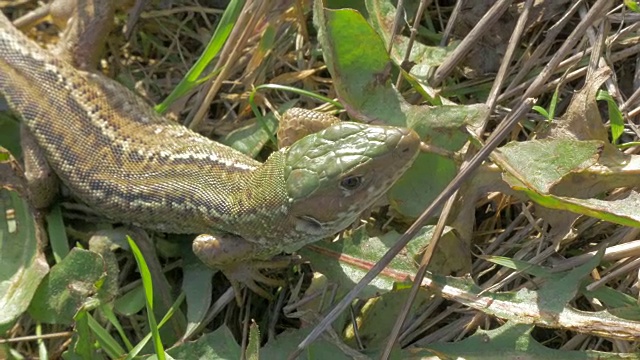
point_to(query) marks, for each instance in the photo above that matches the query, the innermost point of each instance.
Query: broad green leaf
(286, 342)
(219, 344)
(621, 211)
(612, 298)
(346, 261)
(509, 341)
(131, 302)
(424, 58)
(363, 85)
(82, 344)
(252, 138)
(618, 303)
(22, 263)
(197, 287)
(378, 316)
(543, 163)
(430, 173)
(547, 306)
(555, 295)
(70, 286)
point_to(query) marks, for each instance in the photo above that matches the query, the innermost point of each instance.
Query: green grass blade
(219, 37)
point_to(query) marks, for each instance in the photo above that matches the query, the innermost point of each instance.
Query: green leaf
(423, 58)
(107, 343)
(70, 286)
(219, 37)
(82, 345)
(542, 111)
(252, 138)
(219, 344)
(287, 342)
(379, 314)
(362, 82)
(345, 262)
(620, 211)
(197, 287)
(615, 115)
(555, 295)
(363, 85)
(57, 233)
(509, 341)
(612, 298)
(554, 103)
(632, 5)
(542, 163)
(253, 346)
(22, 263)
(131, 302)
(10, 135)
(431, 173)
(106, 340)
(147, 283)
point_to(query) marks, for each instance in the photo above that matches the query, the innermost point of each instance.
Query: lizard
(129, 164)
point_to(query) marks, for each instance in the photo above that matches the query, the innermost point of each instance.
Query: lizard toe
(250, 276)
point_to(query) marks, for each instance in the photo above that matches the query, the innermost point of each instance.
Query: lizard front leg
(235, 257)
(42, 183)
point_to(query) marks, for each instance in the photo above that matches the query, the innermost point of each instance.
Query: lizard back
(118, 156)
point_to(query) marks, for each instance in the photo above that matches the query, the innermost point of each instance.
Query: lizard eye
(351, 182)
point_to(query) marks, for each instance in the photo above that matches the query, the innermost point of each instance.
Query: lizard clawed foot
(249, 273)
(235, 257)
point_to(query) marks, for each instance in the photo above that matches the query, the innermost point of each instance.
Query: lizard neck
(262, 211)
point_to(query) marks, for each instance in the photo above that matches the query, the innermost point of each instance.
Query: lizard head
(334, 175)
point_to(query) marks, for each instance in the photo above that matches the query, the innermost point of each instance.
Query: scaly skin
(134, 166)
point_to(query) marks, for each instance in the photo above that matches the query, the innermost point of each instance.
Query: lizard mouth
(310, 225)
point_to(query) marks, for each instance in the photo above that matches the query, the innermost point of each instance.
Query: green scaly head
(334, 175)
